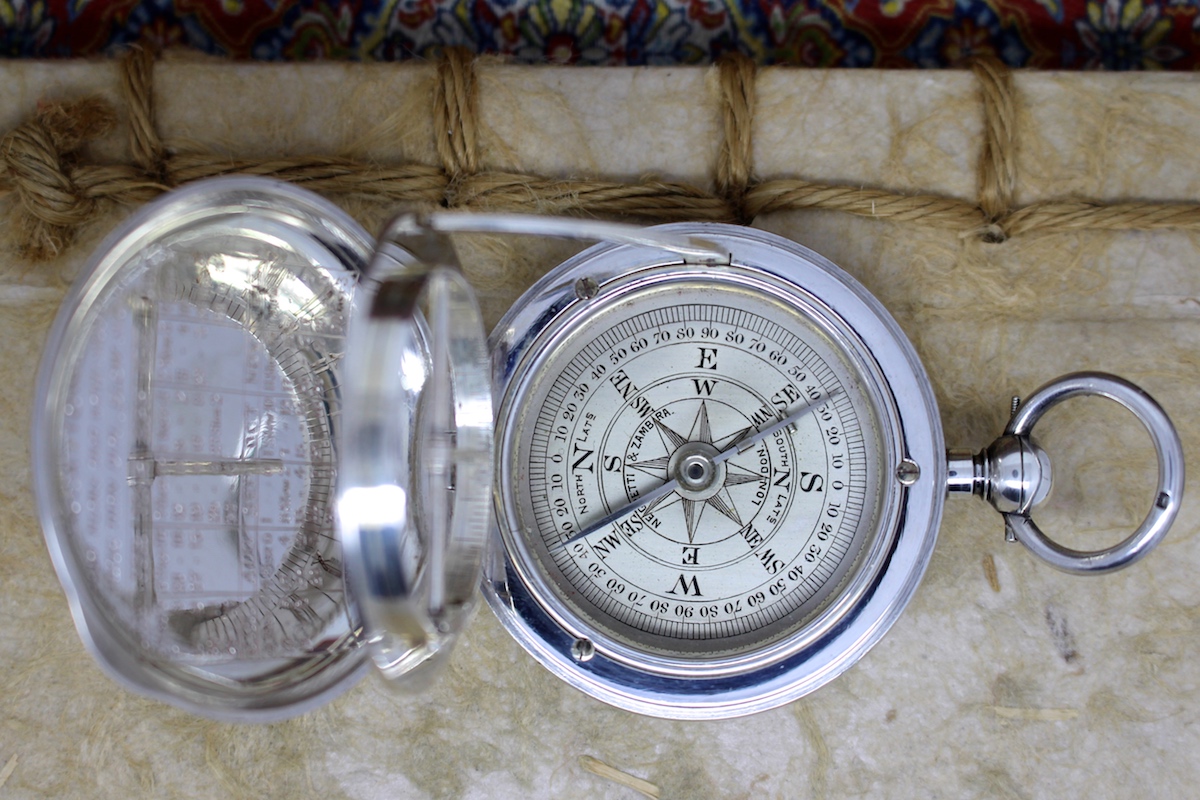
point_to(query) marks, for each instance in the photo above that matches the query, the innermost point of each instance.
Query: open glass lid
(415, 483)
(185, 444)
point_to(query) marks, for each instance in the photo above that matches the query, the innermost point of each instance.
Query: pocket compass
(697, 469)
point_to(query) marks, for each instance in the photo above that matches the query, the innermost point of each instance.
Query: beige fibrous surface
(1017, 226)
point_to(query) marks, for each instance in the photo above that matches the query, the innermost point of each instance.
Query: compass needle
(663, 501)
(702, 432)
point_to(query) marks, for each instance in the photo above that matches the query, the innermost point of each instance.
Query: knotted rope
(56, 192)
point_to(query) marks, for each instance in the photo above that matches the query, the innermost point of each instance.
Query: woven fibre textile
(1046, 34)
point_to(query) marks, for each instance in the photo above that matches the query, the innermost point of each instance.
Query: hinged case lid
(200, 392)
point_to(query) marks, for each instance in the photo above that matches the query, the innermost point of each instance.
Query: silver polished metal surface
(1013, 473)
(1168, 496)
(650, 672)
(416, 459)
(696, 248)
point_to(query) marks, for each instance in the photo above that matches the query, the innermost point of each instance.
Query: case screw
(583, 650)
(586, 288)
(908, 472)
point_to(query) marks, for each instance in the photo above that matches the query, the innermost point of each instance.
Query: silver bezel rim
(436, 598)
(811, 657)
(665, 277)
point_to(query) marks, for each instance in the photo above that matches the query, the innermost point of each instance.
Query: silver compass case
(269, 452)
(612, 299)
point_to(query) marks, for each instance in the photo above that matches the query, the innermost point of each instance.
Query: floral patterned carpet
(1047, 34)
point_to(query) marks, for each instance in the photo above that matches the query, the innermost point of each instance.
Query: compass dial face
(656, 512)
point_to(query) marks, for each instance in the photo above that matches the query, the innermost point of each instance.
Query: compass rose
(703, 481)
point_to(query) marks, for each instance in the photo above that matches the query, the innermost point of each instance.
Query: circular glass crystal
(184, 447)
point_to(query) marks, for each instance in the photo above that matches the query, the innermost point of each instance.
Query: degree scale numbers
(654, 386)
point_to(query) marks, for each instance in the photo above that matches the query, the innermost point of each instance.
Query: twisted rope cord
(929, 210)
(411, 183)
(454, 103)
(1063, 216)
(38, 167)
(137, 88)
(997, 160)
(734, 161)
(56, 194)
(654, 200)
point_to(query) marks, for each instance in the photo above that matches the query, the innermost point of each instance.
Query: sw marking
(626, 388)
